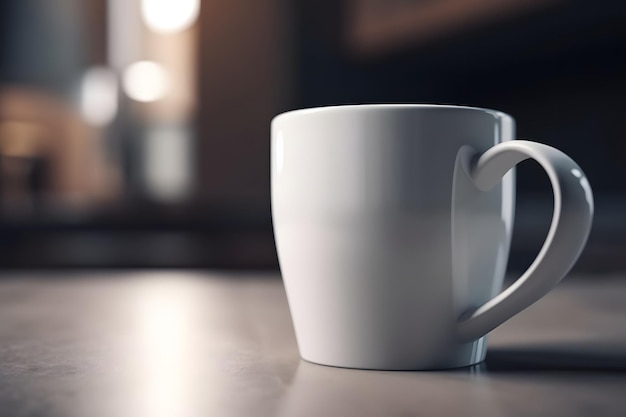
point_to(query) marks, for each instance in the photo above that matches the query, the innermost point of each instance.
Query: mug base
(437, 366)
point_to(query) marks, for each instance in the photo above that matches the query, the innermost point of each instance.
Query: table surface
(177, 343)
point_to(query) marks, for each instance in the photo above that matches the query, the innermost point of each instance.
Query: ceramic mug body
(383, 239)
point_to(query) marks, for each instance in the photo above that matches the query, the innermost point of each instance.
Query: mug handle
(571, 222)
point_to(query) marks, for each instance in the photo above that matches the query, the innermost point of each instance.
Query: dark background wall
(560, 70)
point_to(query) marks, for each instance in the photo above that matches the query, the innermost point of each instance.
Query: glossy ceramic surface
(393, 225)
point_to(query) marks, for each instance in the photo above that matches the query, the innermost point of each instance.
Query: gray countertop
(176, 343)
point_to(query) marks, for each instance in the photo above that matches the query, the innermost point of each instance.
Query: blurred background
(135, 133)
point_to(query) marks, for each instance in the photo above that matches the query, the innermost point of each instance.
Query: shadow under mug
(393, 226)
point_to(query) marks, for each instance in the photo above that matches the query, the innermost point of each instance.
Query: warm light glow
(145, 81)
(98, 96)
(169, 16)
(163, 317)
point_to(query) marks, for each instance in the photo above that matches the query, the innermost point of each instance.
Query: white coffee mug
(393, 225)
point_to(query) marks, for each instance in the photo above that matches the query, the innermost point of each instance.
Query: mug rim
(349, 107)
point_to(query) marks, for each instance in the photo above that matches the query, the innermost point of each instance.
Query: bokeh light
(145, 81)
(169, 16)
(98, 96)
